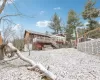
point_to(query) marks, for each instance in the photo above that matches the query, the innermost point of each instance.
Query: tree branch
(3, 5)
(35, 66)
(9, 15)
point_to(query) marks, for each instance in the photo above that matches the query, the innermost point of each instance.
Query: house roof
(38, 33)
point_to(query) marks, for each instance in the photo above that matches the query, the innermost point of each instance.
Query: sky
(42, 11)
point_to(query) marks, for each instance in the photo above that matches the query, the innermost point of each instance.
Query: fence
(91, 47)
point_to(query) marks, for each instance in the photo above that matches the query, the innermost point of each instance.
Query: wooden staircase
(53, 43)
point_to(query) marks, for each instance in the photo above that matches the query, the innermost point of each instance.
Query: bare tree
(8, 34)
(19, 40)
(5, 17)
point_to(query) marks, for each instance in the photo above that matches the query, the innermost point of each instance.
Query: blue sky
(43, 10)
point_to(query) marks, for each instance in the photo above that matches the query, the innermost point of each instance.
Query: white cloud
(44, 23)
(57, 8)
(86, 23)
(42, 12)
(59, 18)
(8, 1)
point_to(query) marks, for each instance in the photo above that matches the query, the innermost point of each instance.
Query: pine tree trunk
(76, 38)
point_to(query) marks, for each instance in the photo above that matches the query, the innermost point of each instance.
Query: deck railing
(42, 39)
(45, 40)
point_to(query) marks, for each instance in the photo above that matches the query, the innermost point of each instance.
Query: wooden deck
(46, 40)
(43, 40)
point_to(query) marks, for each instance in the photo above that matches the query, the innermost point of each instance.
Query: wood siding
(26, 37)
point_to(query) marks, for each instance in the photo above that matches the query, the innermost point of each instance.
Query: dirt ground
(67, 64)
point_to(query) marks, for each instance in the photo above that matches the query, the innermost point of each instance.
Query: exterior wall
(26, 38)
(27, 45)
(91, 47)
(31, 43)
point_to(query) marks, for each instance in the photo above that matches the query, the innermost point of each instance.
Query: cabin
(38, 41)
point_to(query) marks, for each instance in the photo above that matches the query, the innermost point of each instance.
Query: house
(38, 41)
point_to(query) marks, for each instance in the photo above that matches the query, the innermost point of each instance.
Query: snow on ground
(67, 64)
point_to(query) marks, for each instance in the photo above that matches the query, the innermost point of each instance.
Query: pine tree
(90, 13)
(72, 23)
(55, 24)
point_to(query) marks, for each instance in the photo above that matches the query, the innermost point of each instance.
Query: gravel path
(67, 64)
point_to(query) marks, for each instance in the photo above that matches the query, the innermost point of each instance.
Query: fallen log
(40, 67)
